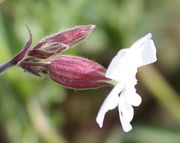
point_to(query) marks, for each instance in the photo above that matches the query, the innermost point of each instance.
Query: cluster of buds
(80, 73)
(71, 71)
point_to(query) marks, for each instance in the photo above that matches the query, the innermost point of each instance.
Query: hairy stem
(5, 66)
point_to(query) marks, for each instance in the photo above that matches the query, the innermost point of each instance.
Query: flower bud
(77, 72)
(56, 43)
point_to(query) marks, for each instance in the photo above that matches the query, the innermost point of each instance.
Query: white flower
(123, 69)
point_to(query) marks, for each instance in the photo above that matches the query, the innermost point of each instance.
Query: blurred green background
(37, 110)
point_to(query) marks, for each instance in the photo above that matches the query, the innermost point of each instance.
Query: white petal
(110, 103)
(124, 65)
(126, 113)
(141, 41)
(125, 125)
(134, 99)
(126, 109)
(131, 96)
(146, 53)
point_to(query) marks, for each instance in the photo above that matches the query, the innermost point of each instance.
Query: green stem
(42, 124)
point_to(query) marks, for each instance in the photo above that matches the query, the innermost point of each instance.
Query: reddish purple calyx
(50, 49)
(76, 72)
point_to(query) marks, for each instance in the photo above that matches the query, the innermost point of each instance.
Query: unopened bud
(77, 72)
(56, 43)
